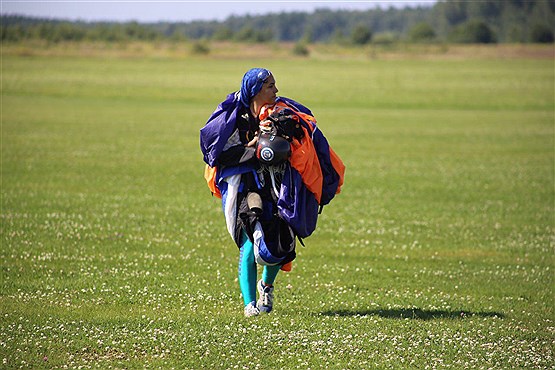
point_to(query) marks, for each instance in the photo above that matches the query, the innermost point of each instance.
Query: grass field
(438, 253)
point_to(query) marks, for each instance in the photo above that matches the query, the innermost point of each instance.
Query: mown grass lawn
(438, 253)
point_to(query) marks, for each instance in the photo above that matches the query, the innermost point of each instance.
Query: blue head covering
(252, 83)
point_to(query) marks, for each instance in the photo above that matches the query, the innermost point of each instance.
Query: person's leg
(269, 274)
(265, 288)
(247, 271)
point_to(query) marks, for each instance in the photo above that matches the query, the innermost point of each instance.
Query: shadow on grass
(413, 313)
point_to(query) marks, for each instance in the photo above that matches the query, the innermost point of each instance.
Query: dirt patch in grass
(231, 50)
(502, 51)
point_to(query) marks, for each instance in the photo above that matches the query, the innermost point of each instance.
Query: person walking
(246, 161)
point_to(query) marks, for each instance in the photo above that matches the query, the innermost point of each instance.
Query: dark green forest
(488, 21)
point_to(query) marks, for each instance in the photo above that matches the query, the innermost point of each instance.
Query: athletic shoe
(251, 310)
(266, 300)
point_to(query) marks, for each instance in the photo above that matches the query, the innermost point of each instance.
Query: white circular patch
(267, 154)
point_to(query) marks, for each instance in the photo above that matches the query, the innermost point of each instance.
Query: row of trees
(484, 21)
(495, 20)
(21, 28)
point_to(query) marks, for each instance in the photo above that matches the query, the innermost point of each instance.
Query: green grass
(438, 252)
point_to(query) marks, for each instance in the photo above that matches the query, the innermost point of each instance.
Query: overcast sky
(177, 10)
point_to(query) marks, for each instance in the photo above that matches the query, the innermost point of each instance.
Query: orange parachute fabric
(305, 160)
(210, 177)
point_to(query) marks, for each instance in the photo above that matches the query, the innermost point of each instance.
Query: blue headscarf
(252, 84)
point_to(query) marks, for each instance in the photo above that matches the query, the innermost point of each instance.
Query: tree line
(486, 21)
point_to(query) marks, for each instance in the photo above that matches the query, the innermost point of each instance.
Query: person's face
(267, 94)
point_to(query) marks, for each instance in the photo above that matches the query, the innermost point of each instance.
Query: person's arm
(236, 155)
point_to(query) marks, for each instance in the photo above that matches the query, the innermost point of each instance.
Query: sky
(145, 11)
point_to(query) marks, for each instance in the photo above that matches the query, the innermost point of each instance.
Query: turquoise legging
(248, 271)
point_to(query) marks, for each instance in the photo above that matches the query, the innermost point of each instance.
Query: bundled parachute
(310, 172)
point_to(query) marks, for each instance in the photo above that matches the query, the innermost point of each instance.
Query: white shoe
(251, 310)
(265, 301)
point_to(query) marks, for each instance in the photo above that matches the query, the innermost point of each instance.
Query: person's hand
(252, 142)
(265, 126)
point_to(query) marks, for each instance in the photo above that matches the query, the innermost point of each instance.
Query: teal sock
(269, 274)
(247, 270)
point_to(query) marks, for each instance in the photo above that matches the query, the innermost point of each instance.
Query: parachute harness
(276, 175)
